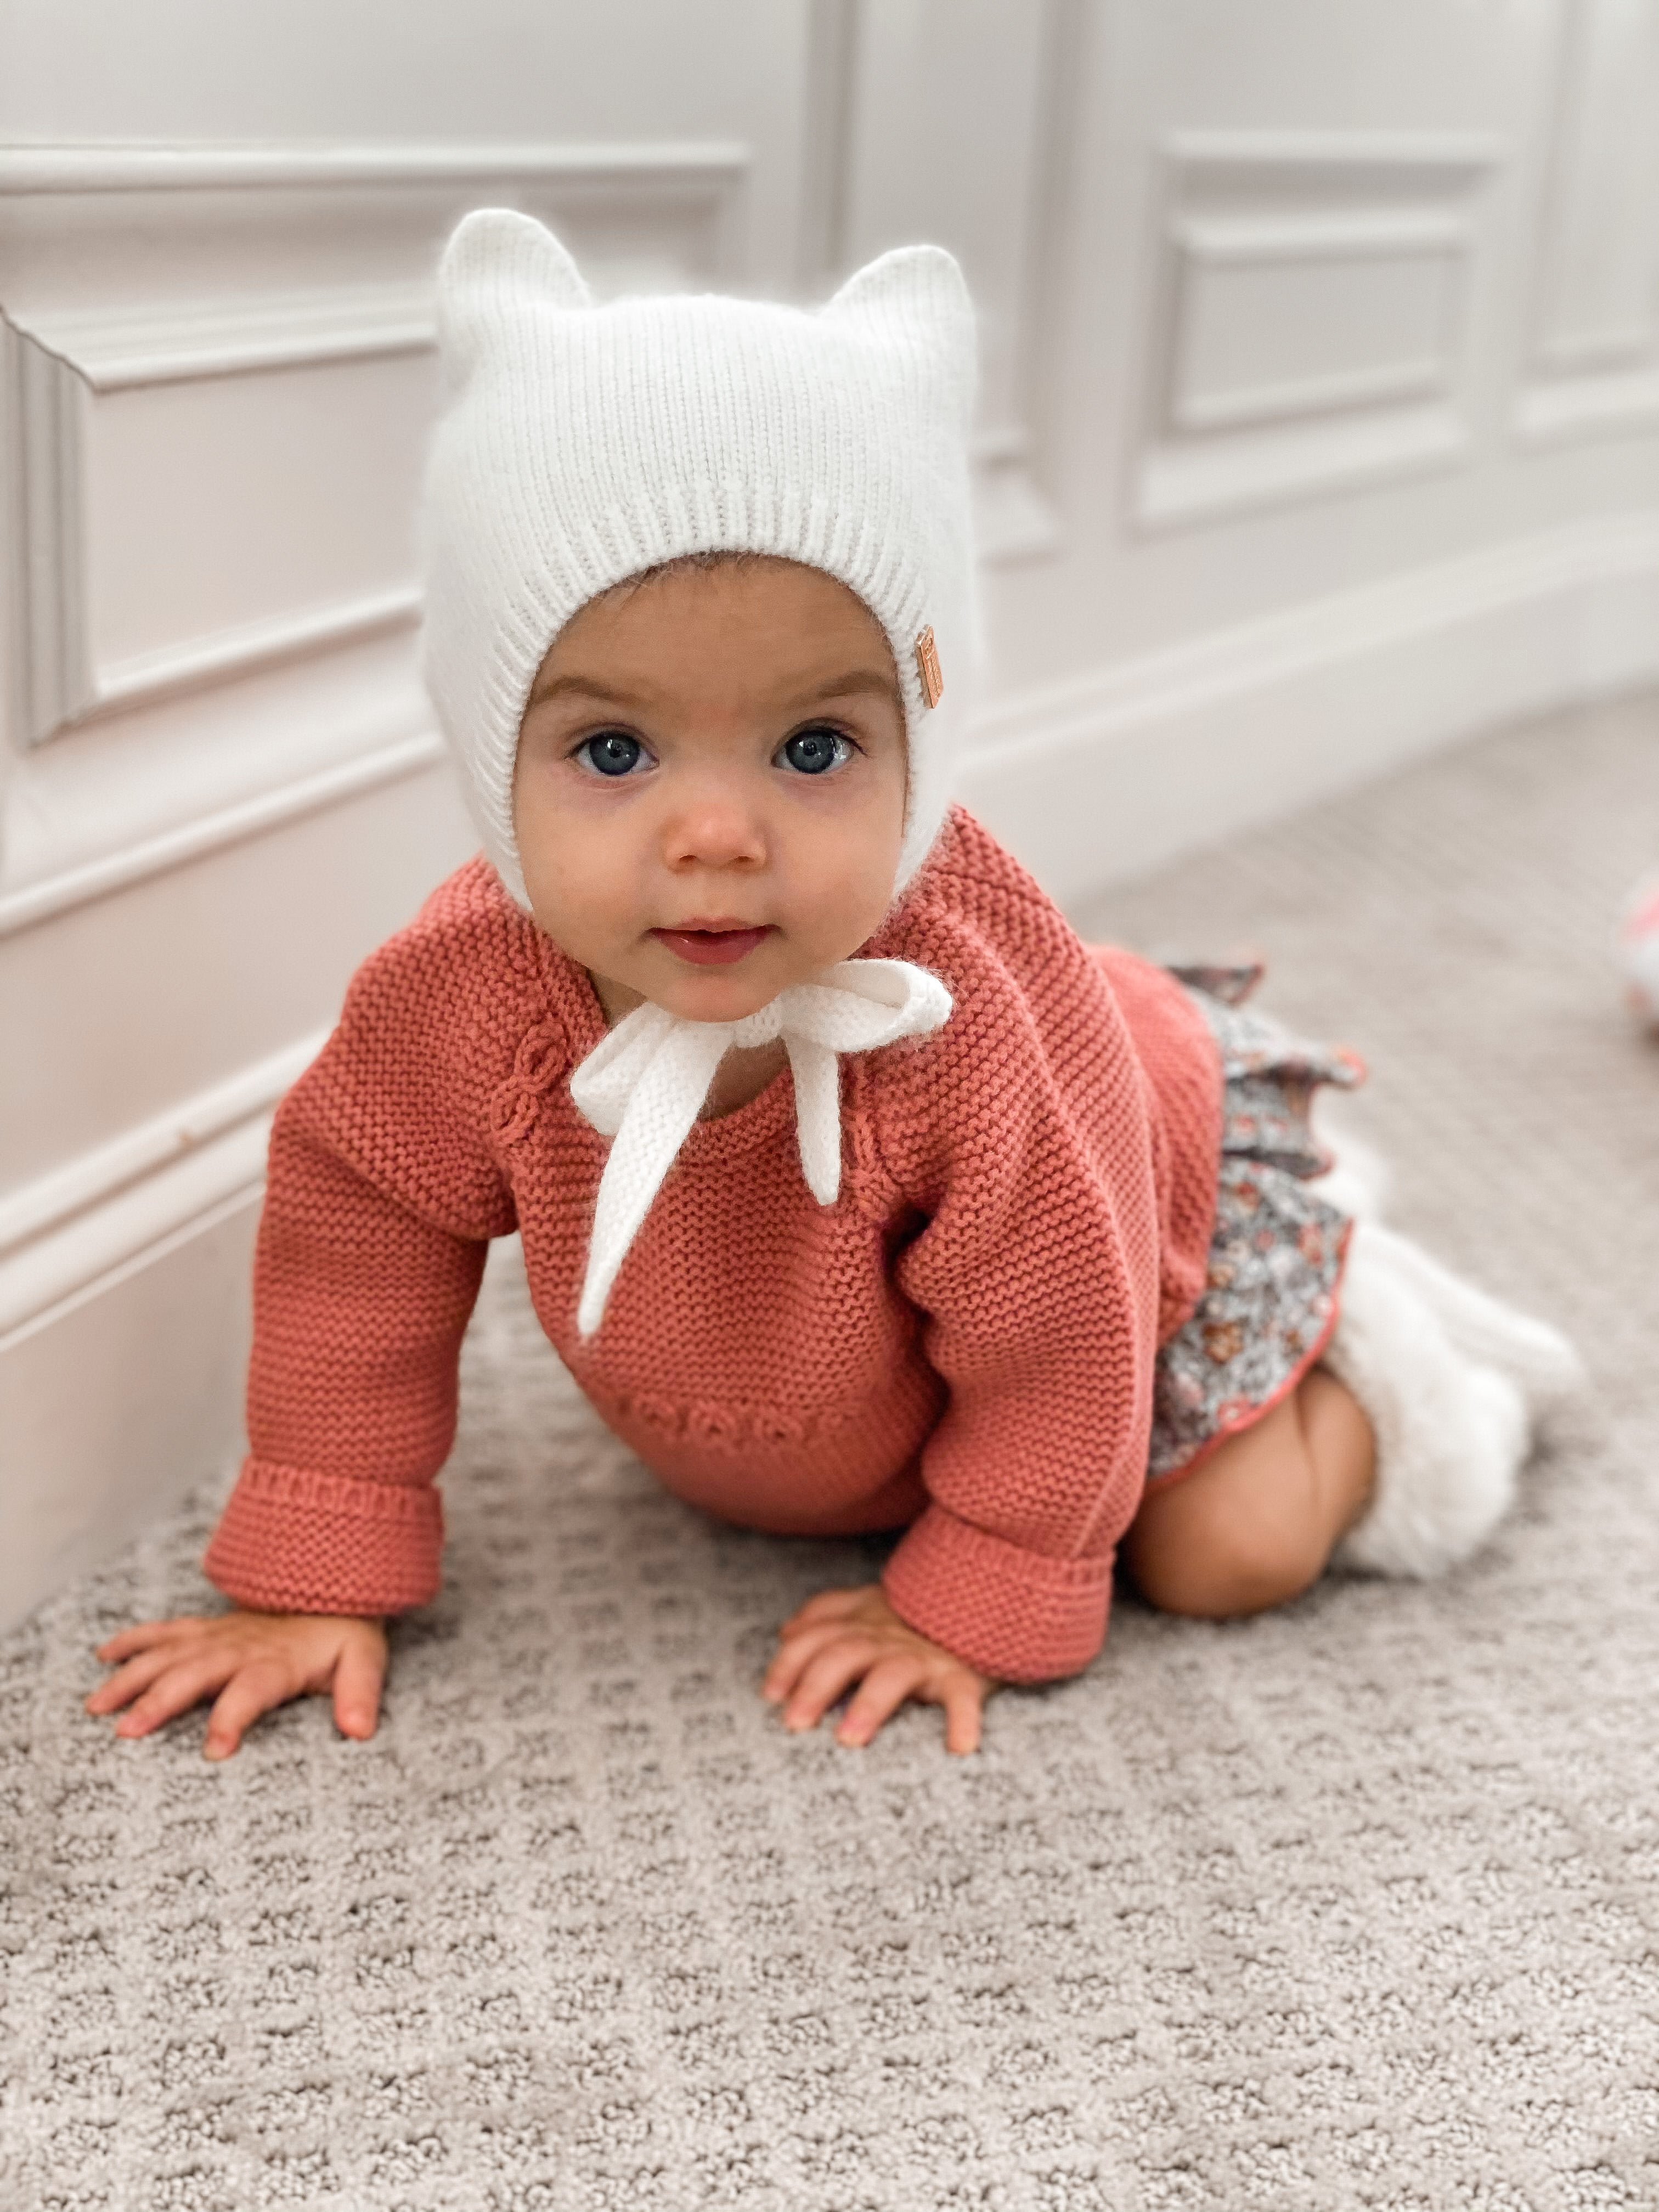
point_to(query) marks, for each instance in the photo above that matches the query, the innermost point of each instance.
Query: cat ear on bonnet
(498, 257)
(915, 300)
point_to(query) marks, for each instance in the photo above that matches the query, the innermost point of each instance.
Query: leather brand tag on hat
(927, 669)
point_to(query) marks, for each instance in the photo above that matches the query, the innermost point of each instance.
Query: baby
(855, 1191)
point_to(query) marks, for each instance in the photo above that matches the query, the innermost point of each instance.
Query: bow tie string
(645, 1081)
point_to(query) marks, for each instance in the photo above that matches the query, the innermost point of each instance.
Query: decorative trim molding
(69, 1229)
(1586, 406)
(832, 39)
(113, 351)
(36, 902)
(140, 168)
(60, 364)
(1017, 515)
(1360, 234)
(1600, 380)
(48, 515)
(177, 669)
(50, 1203)
(1349, 234)
(1297, 462)
(1450, 153)
(1237, 202)
(1184, 746)
(863, 64)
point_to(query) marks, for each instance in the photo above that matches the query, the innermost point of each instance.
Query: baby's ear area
(918, 298)
(497, 262)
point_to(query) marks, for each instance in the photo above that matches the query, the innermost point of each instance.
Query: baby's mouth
(713, 944)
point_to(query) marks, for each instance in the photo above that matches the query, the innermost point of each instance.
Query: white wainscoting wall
(1319, 425)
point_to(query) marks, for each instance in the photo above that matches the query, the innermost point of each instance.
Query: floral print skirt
(1277, 1252)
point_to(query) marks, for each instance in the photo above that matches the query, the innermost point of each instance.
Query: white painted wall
(1320, 423)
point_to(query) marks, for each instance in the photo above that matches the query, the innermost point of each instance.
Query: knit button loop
(537, 1066)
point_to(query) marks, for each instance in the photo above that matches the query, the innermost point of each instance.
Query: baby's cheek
(853, 903)
(578, 881)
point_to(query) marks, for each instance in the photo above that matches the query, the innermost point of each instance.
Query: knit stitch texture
(962, 1346)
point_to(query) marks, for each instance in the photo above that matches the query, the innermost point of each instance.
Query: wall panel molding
(1593, 366)
(54, 170)
(64, 1232)
(1310, 318)
(41, 415)
(61, 367)
(124, 351)
(283, 802)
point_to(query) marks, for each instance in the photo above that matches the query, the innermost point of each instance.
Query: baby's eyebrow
(846, 683)
(556, 686)
(853, 681)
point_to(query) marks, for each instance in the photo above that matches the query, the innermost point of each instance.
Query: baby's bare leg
(1256, 1523)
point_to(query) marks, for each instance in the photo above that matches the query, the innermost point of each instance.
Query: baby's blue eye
(812, 751)
(613, 752)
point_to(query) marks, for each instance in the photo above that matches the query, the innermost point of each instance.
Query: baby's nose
(715, 830)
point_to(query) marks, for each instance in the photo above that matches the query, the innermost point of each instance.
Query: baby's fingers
(252, 1690)
(834, 1669)
(964, 1701)
(880, 1694)
(358, 1680)
(124, 1684)
(183, 1683)
(800, 1648)
(146, 1636)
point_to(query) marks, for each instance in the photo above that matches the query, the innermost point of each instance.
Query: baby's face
(710, 787)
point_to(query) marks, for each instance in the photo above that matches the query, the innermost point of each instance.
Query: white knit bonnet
(583, 443)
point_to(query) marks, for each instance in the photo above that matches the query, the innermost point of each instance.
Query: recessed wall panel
(1292, 334)
(213, 503)
(1310, 316)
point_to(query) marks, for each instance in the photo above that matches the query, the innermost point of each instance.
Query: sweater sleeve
(1037, 1274)
(382, 1191)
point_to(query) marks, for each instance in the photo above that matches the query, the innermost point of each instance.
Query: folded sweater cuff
(293, 1540)
(1012, 1614)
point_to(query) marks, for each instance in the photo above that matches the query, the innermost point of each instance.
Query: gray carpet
(1356, 1904)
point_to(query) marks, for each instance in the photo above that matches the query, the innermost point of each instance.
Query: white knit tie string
(644, 1082)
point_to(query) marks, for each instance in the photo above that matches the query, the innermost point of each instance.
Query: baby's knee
(1214, 1566)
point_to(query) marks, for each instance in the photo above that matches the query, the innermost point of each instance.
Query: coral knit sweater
(962, 1346)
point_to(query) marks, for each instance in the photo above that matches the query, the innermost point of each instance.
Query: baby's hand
(247, 1663)
(847, 1636)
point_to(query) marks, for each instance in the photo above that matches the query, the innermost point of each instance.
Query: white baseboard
(71, 1234)
(123, 1297)
(1102, 779)
(131, 1393)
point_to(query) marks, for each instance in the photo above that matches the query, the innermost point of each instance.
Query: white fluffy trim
(1451, 1429)
(1536, 1358)
(1358, 1180)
